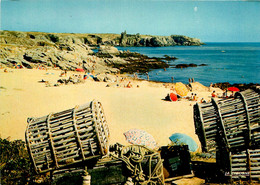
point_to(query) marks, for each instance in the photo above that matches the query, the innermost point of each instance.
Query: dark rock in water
(166, 57)
(193, 65)
(185, 65)
(203, 65)
(181, 66)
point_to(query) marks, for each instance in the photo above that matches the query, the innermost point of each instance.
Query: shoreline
(142, 107)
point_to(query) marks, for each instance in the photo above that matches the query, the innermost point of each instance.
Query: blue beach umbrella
(181, 139)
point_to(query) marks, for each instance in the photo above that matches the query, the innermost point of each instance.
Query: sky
(208, 20)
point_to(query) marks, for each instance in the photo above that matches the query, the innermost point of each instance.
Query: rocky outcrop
(196, 86)
(50, 39)
(104, 49)
(241, 87)
(157, 41)
(68, 52)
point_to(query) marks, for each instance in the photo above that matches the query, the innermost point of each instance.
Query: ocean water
(226, 62)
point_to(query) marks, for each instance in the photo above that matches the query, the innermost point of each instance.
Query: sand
(22, 96)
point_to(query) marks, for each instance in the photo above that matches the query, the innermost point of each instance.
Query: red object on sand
(173, 97)
(233, 89)
(80, 69)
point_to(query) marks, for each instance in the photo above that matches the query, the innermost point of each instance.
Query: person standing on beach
(147, 74)
(172, 79)
(135, 76)
(195, 97)
(191, 97)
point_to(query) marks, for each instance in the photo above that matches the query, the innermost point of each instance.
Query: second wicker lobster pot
(230, 123)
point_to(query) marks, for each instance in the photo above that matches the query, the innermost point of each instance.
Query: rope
(133, 156)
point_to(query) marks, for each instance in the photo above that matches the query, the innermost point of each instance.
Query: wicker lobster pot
(231, 123)
(68, 137)
(243, 165)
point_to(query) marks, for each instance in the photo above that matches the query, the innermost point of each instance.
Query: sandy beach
(143, 107)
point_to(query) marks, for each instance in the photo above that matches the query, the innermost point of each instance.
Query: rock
(35, 56)
(196, 86)
(185, 65)
(69, 51)
(186, 41)
(100, 77)
(241, 87)
(192, 65)
(105, 78)
(181, 66)
(110, 78)
(157, 41)
(27, 64)
(108, 50)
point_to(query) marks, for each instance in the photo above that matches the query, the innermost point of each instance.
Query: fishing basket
(237, 166)
(68, 137)
(230, 123)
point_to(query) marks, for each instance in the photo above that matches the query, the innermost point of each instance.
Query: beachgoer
(192, 80)
(192, 96)
(5, 70)
(189, 80)
(203, 100)
(213, 94)
(129, 85)
(195, 97)
(172, 79)
(225, 94)
(232, 95)
(135, 76)
(147, 74)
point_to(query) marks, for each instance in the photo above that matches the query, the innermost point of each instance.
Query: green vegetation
(15, 164)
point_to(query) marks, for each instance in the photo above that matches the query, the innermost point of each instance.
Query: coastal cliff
(157, 41)
(68, 51)
(49, 39)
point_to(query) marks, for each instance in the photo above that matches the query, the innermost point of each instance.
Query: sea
(225, 62)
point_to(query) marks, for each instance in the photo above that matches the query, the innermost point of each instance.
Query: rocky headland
(69, 51)
(157, 41)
